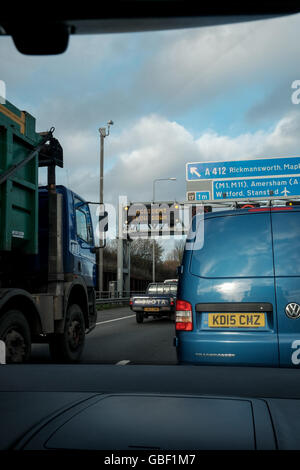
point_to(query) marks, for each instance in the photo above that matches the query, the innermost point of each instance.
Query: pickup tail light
(184, 316)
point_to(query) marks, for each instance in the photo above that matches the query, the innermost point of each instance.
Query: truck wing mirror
(103, 221)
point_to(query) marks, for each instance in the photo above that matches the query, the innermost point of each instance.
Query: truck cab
(78, 246)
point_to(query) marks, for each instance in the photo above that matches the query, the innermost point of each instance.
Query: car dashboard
(152, 408)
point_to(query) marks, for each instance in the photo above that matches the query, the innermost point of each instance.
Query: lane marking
(122, 363)
(115, 319)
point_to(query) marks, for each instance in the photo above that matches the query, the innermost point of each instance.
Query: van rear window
(235, 246)
(286, 239)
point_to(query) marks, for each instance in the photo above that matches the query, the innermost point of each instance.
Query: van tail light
(184, 316)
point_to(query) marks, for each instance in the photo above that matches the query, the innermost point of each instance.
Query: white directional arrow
(285, 192)
(194, 171)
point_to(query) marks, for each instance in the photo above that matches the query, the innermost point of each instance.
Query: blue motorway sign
(202, 196)
(252, 188)
(260, 167)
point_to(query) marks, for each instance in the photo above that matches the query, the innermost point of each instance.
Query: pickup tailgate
(149, 303)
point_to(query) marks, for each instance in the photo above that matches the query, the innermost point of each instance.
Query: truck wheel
(68, 346)
(139, 317)
(15, 333)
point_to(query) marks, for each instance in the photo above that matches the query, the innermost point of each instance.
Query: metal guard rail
(107, 297)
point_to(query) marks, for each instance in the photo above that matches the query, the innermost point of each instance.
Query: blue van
(238, 300)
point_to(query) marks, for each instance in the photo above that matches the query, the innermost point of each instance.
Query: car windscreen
(164, 118)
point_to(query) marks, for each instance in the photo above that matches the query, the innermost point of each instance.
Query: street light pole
(153, 243)
(153, 260)
(103, 133)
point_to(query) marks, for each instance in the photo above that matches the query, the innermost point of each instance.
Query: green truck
(47, 251)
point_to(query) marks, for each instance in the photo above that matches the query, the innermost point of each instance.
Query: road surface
(118, 339)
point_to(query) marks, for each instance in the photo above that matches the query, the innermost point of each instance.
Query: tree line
(141, 258)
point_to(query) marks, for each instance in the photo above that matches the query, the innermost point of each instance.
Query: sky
(192, 95)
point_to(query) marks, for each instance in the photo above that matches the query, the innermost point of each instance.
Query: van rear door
(286, 242)
(231, 287)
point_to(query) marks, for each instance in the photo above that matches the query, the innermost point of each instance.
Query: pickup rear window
(162, 289)
(286, 228)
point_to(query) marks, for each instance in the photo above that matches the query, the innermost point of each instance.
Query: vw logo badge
(292, 310)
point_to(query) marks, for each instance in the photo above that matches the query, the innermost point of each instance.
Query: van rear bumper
(255, 349)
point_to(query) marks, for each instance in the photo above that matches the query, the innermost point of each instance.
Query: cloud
(84, 54)
(74, 90)
(153, 148)
(156, 148)
(148, 83)
(282, 139)
(195, 67)
(273, 104)
(126, 76)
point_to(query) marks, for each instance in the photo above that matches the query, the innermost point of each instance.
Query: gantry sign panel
(158, 219)
(260, 178)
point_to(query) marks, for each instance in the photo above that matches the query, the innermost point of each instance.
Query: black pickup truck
(159, 300)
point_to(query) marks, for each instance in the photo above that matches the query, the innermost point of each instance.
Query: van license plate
(151, 309)
(236, 320)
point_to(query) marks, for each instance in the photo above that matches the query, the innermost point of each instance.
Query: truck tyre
(15, 333)
(68, 346)
(139, 317)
